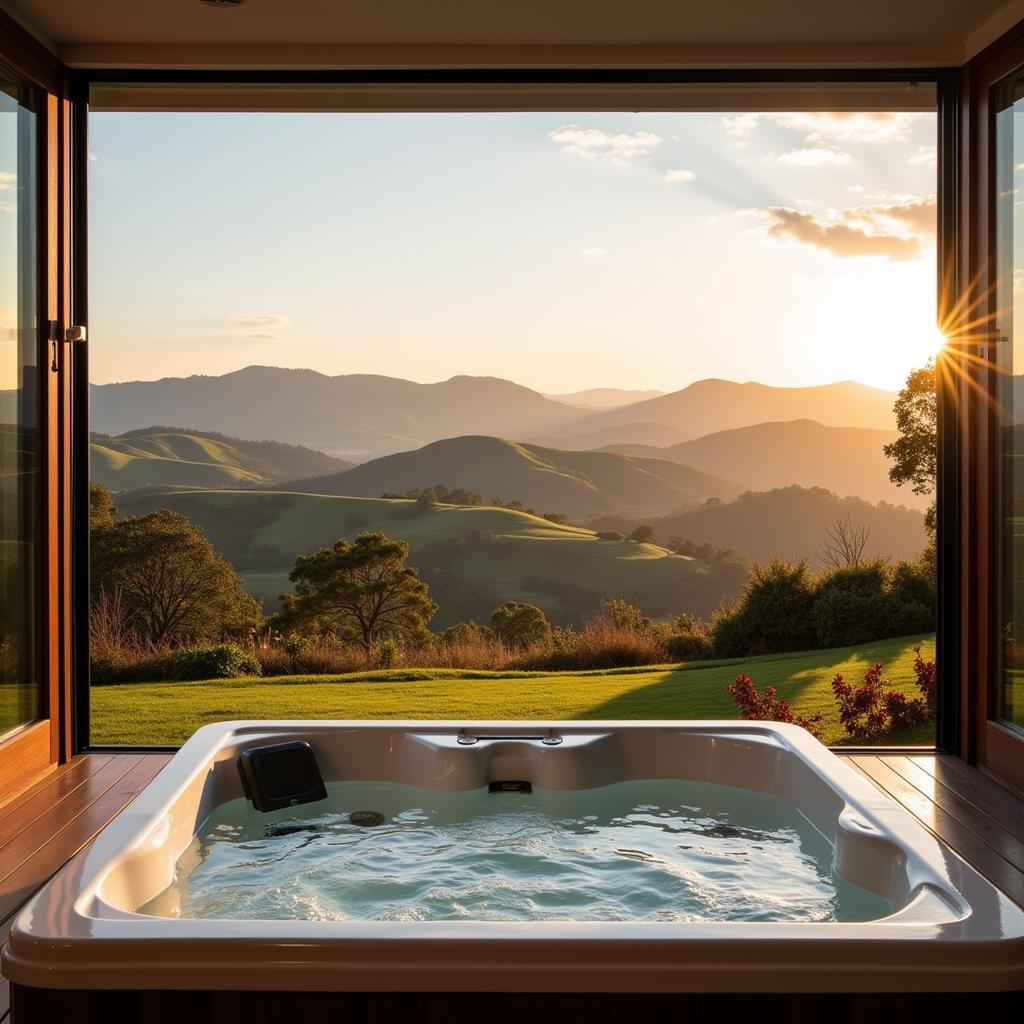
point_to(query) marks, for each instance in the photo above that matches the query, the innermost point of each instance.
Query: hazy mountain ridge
(363, 416)
(790, 522)
(847, 460)
(358, 415)
(605, 398)
(709, 406)
(550, 480)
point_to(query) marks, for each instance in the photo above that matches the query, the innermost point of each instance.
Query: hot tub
(126, 917)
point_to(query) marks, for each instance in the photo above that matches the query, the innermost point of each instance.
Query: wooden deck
(46, 825)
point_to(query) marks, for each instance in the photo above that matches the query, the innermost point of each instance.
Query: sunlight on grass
(169, 712)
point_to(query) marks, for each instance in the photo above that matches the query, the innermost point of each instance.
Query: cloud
(594, 144)
(259, 319)
(740, 125)
(594, 252)
(925, 155)
(258, 336)
(897, 230)
(830, 127)
(8, 207)
(7, 180)
(680, 176)
(816, 157)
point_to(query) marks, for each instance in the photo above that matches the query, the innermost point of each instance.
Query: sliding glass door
(20, 696)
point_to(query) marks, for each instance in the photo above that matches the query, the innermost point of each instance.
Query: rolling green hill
(473, 558)
(576, 483)
(160, 456)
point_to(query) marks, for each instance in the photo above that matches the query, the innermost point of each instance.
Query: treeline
(166, 604)
(427, 497)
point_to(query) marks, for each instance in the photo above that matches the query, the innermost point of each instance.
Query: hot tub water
(642, 850)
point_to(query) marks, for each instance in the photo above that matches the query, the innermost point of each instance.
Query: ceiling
(447, 32)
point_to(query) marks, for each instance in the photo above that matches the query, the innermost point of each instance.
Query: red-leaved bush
(767, 707)
(871, 711)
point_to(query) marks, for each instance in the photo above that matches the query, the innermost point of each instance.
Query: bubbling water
(644, 850)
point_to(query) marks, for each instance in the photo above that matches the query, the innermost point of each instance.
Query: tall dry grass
(117, 657)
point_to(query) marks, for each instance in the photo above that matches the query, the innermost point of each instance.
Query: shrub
(869, 712)
(518, 624)
(387, 653)
(872, 601)
(610, 535)
(688, 646)
(463, 633)
(219, 661)
(623, 615)
(767, 707)
(642, 535)
(773, 614)
(853, 604)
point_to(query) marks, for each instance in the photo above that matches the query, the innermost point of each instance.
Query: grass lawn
(168, 713)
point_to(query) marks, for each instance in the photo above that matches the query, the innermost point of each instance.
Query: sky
(561, 250)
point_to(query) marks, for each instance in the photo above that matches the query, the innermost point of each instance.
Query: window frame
(950, 132)
(37, 746)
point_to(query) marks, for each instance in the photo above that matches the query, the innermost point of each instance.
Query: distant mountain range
(547, 479)
(847, 460)
(361, 416)
(156, 456)
(708, 406)
(357, 417)
(605, 398)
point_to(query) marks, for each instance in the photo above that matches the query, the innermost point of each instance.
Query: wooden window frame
(41, 745)
(993, 745)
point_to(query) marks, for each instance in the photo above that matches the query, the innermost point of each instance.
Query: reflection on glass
(19, 689)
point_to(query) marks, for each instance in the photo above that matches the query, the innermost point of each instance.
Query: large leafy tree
(360, 590)
(913, 453)
(175, 588)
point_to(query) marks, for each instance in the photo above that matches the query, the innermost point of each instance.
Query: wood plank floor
(43, 827)
(47, 824)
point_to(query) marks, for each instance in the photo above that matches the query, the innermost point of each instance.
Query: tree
(621, 614)
(642, 535)
(914, 452)
(174, 586)
(519, 624)
(101, 507)
(844, 544)
(360, 590)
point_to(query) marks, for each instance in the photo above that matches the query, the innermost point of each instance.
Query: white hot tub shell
(951, 929)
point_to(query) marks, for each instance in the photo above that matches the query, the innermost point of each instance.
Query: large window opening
(551, 414)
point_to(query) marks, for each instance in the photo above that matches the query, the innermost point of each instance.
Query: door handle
(74, 335)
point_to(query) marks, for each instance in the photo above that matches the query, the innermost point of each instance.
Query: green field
(523, 550)
(168, 713)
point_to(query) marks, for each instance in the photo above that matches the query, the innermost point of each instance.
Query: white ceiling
(789, 32)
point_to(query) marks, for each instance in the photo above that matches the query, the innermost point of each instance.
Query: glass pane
(1010, 358)
(19, 689)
